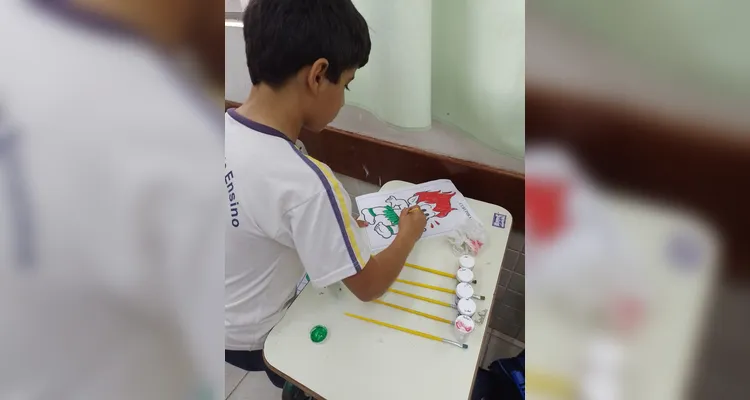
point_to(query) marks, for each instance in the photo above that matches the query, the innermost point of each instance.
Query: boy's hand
(411, 223)
(383, 268)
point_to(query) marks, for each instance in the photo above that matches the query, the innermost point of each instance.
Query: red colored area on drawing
(440, 199)
(545, 205)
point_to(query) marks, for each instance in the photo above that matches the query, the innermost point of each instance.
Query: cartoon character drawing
(434, 204)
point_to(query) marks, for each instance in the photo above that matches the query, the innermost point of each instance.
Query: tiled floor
(721, 369)
(241, 385)
(499, 347)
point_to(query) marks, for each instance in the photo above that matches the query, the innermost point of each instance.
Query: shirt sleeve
(330, 244)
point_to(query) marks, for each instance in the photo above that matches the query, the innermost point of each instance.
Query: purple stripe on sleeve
(258, 127)
(332, 200)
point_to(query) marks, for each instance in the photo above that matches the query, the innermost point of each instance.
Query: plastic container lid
(464, 290)
(467, 307)
(464, 275)
(318, 334)
(466, 261)
(464, 324)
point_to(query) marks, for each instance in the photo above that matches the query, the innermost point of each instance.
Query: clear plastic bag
(469, 238)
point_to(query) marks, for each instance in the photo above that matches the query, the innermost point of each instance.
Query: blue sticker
(498, 221)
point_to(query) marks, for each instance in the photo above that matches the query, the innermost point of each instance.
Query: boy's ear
(317, 74)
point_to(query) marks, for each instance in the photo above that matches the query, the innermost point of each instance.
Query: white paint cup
(463, 291)
(466, 261)
(466, 307)
(463, 326)
(464, 275)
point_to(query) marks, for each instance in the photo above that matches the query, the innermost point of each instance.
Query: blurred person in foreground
(111, 236)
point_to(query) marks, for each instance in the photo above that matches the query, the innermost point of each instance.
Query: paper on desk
(302, 283)
(445, 207)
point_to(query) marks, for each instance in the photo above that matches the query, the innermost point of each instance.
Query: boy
(288, 215)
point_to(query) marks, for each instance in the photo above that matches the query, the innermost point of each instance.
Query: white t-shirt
(288, 215)
(111, 215)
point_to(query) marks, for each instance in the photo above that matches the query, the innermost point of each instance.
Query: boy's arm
(382, 269)
(332, 248)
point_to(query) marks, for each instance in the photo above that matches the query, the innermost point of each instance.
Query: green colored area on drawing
(391, 215)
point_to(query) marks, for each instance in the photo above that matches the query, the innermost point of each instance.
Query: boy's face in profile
(327, 101)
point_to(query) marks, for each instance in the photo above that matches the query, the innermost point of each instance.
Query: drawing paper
(445, 208)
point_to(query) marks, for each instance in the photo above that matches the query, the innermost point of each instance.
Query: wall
(478, 70)
(562, 58)
(236, 79)
(701, 44)
(486, 99)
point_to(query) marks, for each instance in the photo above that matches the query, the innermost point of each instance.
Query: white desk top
(668, 341)
(360, 360)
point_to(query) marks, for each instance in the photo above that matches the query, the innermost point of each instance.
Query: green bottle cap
(318, 334)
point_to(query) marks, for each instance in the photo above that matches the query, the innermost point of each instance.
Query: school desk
(360, 360)
(678, 255)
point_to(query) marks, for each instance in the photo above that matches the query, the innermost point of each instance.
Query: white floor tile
(256, 386)
(232, 378)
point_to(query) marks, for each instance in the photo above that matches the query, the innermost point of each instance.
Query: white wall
(236, 79)
(445, 137)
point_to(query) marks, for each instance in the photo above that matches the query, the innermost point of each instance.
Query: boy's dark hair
(283, 36)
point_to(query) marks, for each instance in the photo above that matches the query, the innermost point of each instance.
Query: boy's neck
(277, 109)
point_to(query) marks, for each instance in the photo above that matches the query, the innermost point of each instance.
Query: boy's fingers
(361, 223)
